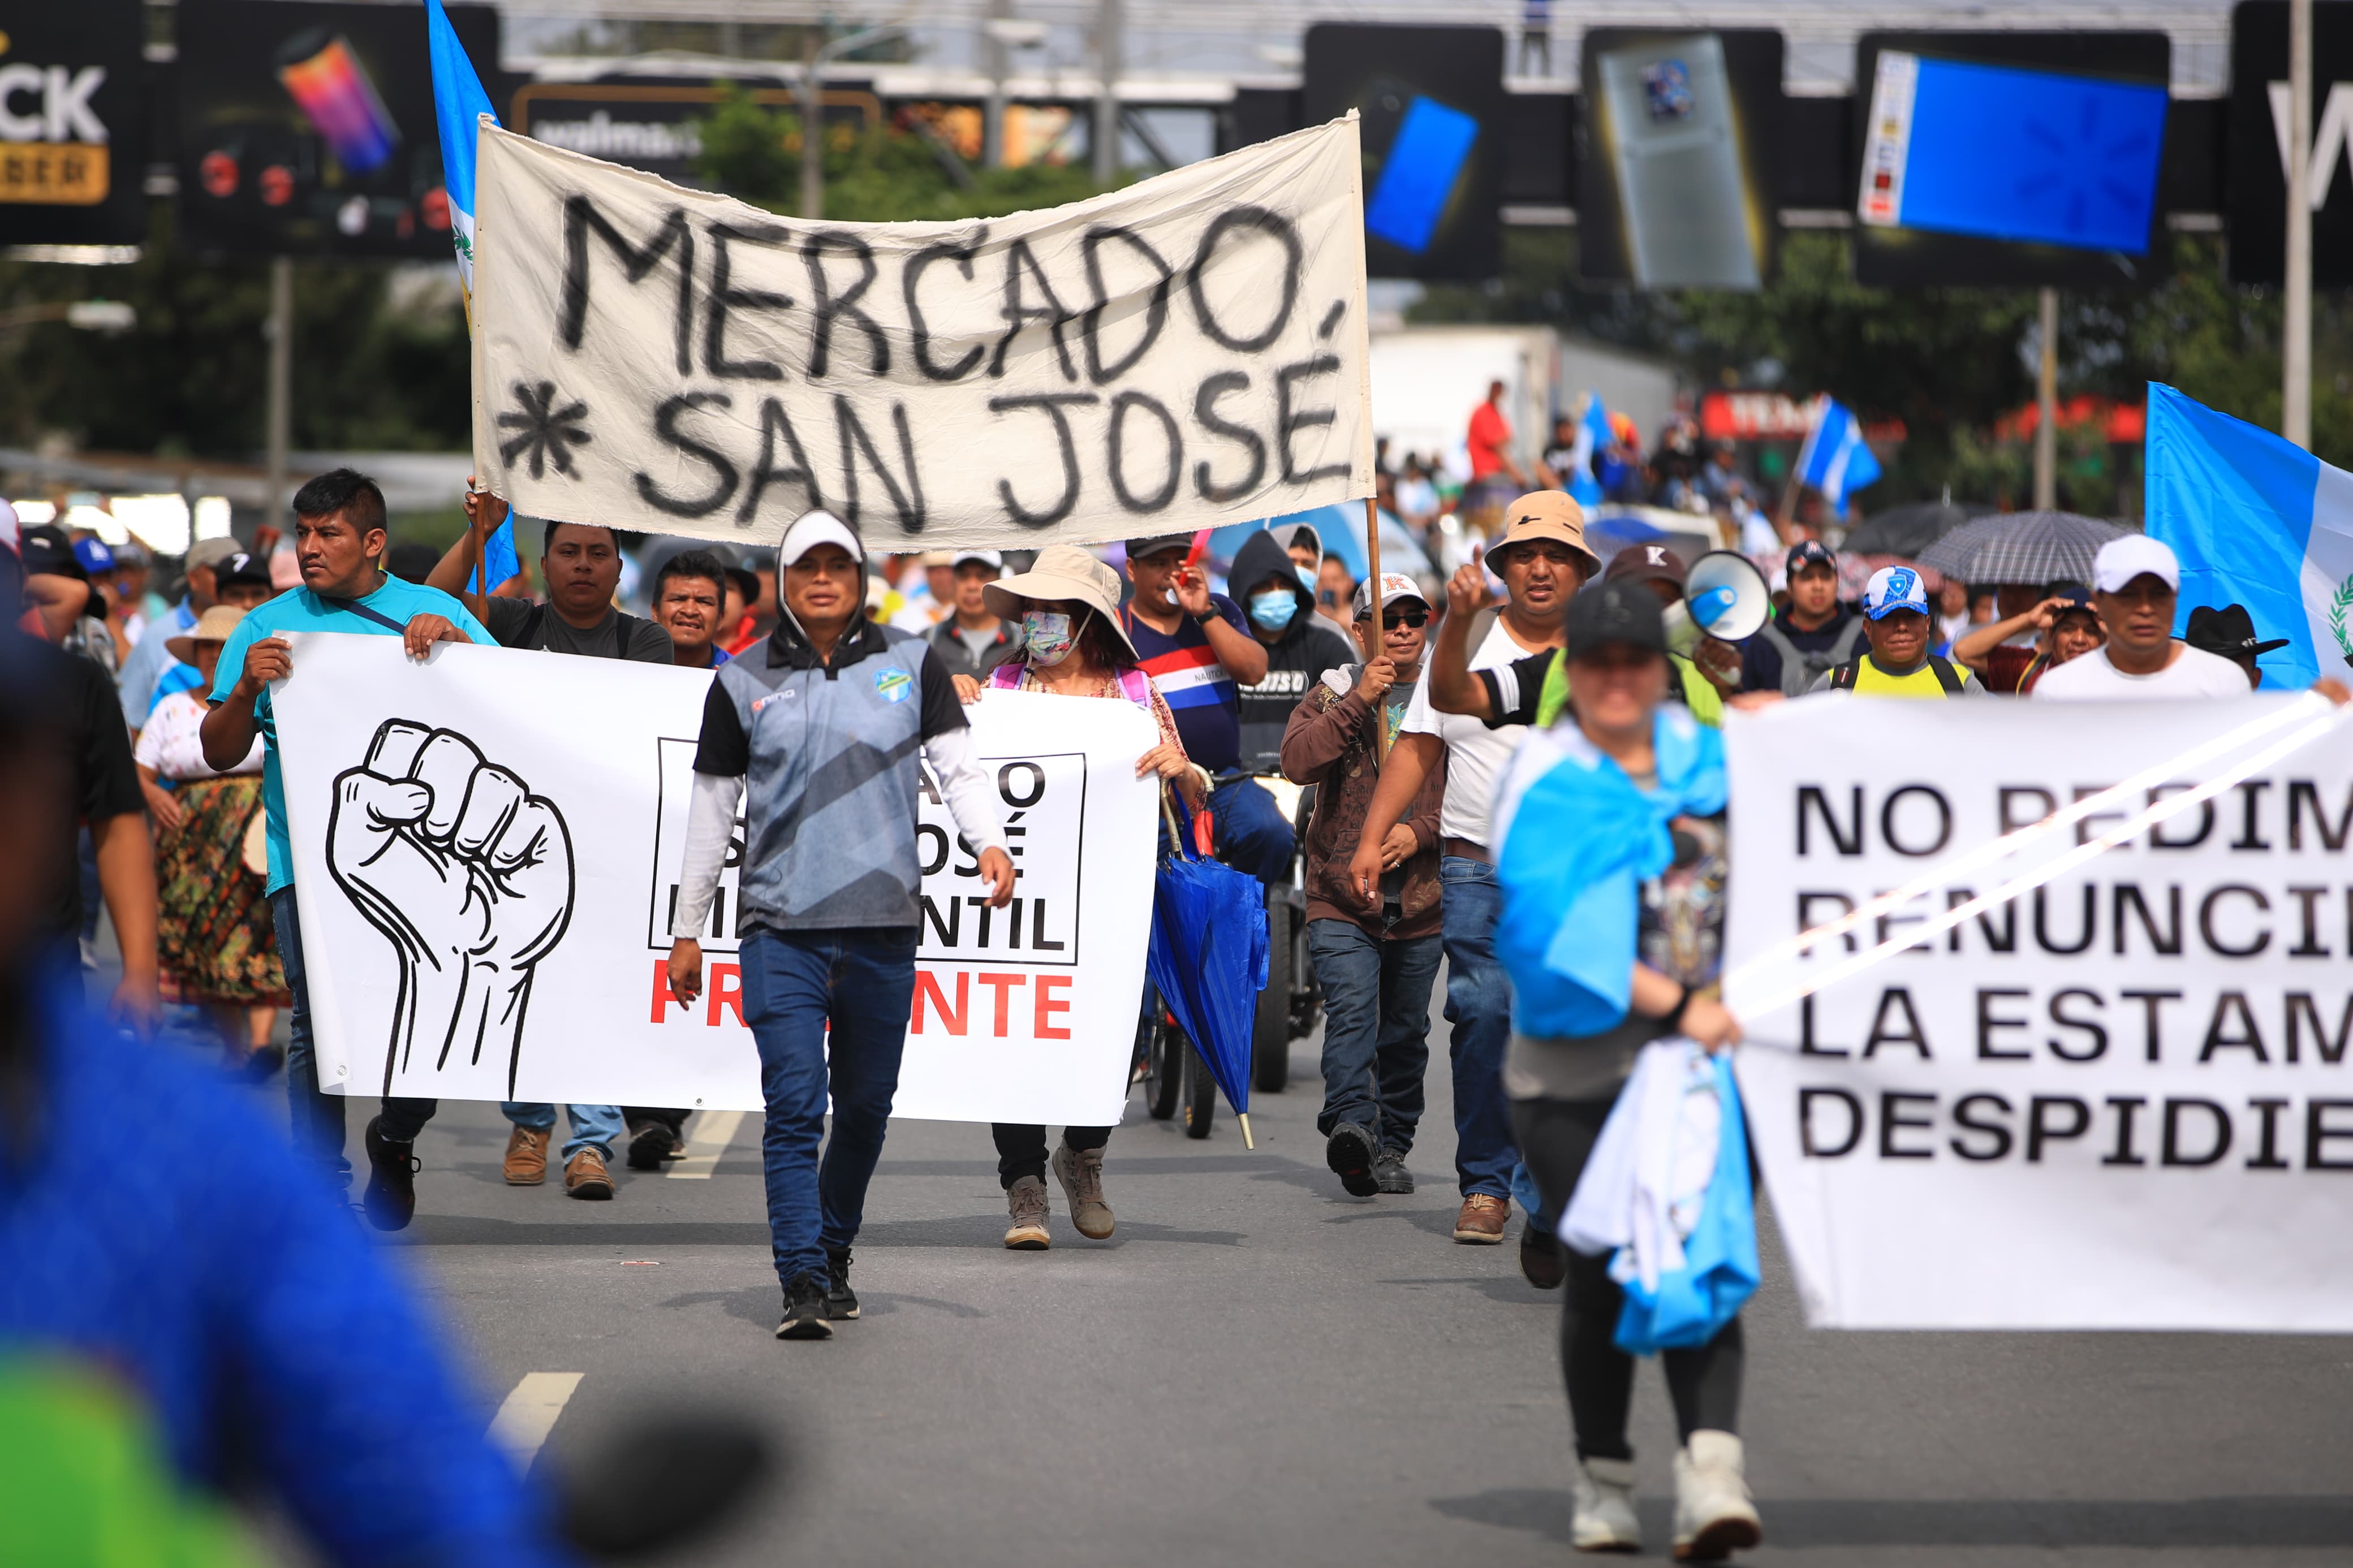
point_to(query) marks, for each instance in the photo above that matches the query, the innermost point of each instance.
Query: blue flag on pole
(1593, 434)
(2257, 521)
(1834, 459)
(459, 104)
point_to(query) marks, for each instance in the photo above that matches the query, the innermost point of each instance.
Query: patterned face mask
(1049, 635)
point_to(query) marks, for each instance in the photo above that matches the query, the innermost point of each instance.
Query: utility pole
(2296, 353)
(2046, 408)
(1108, 24)
(281, 387)
(812, 128)
(993, 61)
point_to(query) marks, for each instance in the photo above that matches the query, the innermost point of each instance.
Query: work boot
(1544, 1261)
(1390, 1174)
(1482, 1218)
(1081, 1173)
(650, 1146)
(804, 1316)
(390, 1199)
(1604, 1519)
(1350, 1152)
(840, 1300)
(586, 1176)
(1713, 1517)
(1026, 1199)
(526, 1163)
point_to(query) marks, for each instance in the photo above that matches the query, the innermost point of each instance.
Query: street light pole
(814, 60)
(1108, 43)
(992, 60)
(282, 385)
(2295, 352)
(2046, 408)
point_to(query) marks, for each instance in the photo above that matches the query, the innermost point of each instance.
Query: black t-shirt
(518, 622)
(87, 715)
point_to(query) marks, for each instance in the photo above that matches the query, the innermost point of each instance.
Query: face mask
(1306, 576)
(1274, 608)
(1049, 635)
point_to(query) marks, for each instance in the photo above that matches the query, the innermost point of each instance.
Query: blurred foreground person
(207, 1313)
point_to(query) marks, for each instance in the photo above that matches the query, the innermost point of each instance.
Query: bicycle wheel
(1270, 1029)
(1164, 1071)
(1200, 1093)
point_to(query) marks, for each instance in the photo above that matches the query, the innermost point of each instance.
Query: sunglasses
(1416, 619)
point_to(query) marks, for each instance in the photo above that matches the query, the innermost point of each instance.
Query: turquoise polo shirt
(300, 610)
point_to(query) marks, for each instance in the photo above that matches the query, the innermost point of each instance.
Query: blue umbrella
(1208, 960)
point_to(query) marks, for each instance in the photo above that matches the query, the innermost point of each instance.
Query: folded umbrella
(1208, 961)
(2025, 548)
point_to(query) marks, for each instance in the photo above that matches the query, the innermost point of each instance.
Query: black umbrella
(1906, 530)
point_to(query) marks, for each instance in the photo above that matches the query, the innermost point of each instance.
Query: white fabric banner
(492, 923)
(2118, 1100)
(1188, 352)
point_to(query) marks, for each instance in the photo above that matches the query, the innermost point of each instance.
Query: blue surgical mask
(1306, 576)
(1272, 610)
(1049, 635)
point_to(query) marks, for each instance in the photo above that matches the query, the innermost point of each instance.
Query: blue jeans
(1375, 1028)
(592, 1126)
(1479, 1007)
(1253, 837)
(795, 982)
(316, 1120)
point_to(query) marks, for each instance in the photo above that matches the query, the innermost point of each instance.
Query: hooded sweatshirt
(1296, 661)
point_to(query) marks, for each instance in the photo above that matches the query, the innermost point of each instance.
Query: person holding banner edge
(816, 730)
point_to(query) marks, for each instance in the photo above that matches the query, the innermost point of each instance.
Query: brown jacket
(1329, 743)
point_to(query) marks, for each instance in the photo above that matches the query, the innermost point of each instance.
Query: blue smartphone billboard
(1417, 177)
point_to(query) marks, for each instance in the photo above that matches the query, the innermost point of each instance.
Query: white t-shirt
(170, 742)
(1475, 754)
(2092, 679)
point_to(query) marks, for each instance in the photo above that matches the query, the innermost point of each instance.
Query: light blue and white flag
(1834, 459)
(1593, 433)
(2259, 522)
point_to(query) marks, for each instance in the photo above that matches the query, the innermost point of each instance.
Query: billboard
(2256, 178)
(1432, 102)
(1674, 188)
(308, 129)
(2010, 159)
(656, 125)
(73, 129)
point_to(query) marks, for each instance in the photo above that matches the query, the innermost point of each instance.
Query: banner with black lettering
(1188, 352)
(2072, 1052)
(487, 850)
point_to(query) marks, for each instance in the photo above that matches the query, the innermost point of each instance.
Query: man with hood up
(1277, 599)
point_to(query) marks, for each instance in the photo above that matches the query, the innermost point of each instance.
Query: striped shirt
(1198, 690)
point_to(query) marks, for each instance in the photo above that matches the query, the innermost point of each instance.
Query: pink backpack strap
(1137, 688)
(1007, 677)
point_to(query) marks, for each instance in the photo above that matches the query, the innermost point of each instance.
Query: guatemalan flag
(1834, 459)
(459, 104)
(2259, 522)
(1593, 434)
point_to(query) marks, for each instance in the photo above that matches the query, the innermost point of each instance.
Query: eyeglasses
(1416, 619)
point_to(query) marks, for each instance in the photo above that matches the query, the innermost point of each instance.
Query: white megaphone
(1724, 596)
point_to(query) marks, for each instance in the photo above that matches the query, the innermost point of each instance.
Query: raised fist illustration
(467, 871)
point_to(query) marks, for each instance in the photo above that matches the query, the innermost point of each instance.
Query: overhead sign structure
(1188, 352)
(73, 126)
(2010, 158)
(2255, 187)
(307, 128)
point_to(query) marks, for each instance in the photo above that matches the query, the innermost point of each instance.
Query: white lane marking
(529, 1414)
(713, 1132)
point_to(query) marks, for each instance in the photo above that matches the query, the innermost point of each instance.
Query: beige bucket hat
(1062, 572)
(214, 625)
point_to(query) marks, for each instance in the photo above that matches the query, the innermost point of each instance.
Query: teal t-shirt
(300, 610)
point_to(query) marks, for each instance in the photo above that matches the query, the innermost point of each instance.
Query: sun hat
(1545, 514)
(1061, 572)
(2135, 555)
(1894, 588)
(1395, 585)
(214, 625)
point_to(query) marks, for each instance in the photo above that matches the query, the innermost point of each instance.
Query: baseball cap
(95, 557)
(1894, 588)
(812, 529)
(1618, 612)
(46, 553)
(2135, 555)
(2229, 631)
(1547, 514)
(1809, 553)
(992, 558)
(2072, 599)
(242, 567)
(1646, 563)
(1395, 586)
(1138, 549)
(211, 551)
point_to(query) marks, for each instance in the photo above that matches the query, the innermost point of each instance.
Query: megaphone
(1723, 597)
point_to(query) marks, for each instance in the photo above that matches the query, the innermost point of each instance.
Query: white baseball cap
(2135, 555)
(1395, 585)
(812, 529)
(992, 558)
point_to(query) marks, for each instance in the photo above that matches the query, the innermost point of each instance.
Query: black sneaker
(1544, 1261)
(1349, 1152)
(391, 1196)
(264, 1064)
(651, 1146)
(805, 1308)
(1390, 1174)
(840, 1300)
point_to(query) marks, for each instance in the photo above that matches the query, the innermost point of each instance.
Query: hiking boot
(1390, 1174)
(805, 1308)
(1081, 1173)
(1025, 1200)
(840, 1300)
(1350, 1153)
(526, 1161)
(586, 1176)
(1604, 1517)
(1544, 1261)
(650, 1146)
(390, 1199)
(1713, 1517)
(1481, 1221)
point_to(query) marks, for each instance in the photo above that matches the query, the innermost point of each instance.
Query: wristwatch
(1206, 616)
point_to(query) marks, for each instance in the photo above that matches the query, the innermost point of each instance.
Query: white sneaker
(1713, 1517)
(1605, 1517)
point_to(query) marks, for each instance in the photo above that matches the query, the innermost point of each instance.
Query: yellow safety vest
(1935, 678)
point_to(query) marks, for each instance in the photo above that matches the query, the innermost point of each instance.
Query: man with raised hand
(2136, 582)
(340, 539)
(816, 730)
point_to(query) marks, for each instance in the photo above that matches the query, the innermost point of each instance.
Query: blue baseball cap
(95, 557)
(1809, 553)
(1894, 588)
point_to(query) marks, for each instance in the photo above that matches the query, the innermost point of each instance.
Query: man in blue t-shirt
(340, 540)
(1195, 646)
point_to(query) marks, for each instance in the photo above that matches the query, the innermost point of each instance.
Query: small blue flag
(1593, 435)
(499, 561)
(1834, 459)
